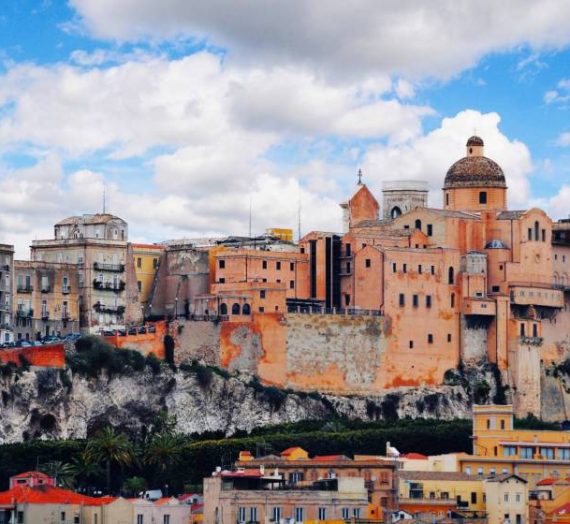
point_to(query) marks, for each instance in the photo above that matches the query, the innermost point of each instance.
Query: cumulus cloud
(560, 95)
(413, 38)
(429, 156)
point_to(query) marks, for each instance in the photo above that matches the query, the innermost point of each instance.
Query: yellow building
(499, 449)
(439, 492)
(281, 233)
(507, 500)
(146, 258)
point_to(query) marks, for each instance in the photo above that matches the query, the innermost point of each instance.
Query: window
(291, 284)
(253, 514)
(299, 514)
(522, 330)
(526, 453)
(235, 309)
(415, 300)
(544, 235)
(246, 309)
(154, 263)
(261, 309)
(430, 338)
(430, 230)
(368, 262)
(405, 268)
(449, 337)
(492, 472)
(262, 293)
(446, 199)
(428, 301)
(473, 497)
(278, 266)
(222, 264)
(418, 224)
(223, 309)
(468, 470)
(536, 229)
(535, 330)
(452, 300)
(264, 264)
(451, 275)
(140, 519)
(482, 197)
(509, 451)
(394, 267)
(529, 234)
(433, 270)
(292, 266)
(345, 513)
(402, 300)
(222, 280)
(348, 248)
(347, 300)
(496, 289)
(139, 286)
(547, 453)
(502, 424)
(479, 471)
(356, 512)
(322, 513)
(241, 514)
(420, 269)
(564, 454)
(76, 519)
(411, 344)
(276, 514)
(348, 267)
(62, 516)
(139, 262)
(518, 497)
(506, 497)
(20, 517)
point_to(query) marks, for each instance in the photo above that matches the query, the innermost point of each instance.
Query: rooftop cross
(360, 177)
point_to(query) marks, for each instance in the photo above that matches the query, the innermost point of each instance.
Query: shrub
(153, 363)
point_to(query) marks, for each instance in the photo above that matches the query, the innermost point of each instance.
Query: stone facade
(6, 293)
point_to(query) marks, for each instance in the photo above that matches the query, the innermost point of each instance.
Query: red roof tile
(329, 458)
(46, 495)
(563, 510)
(415, 456)
(288, 451)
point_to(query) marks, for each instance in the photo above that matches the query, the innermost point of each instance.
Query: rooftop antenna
(104, 199)
(359, 177)
(299, 214)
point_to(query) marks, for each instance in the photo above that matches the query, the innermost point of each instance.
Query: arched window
(223, 309)
(451, 275)
(536, 230)
(246, 309)
(418, 224)
(396, 212)
(235, 309)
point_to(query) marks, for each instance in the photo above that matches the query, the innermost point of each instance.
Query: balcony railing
(117, 268)
(45, 316)
(315, 310)
(531, 341)
(65, 290)
(111, 310)
(46, 289)
(25, 289)
(117, 287)
(25, 313)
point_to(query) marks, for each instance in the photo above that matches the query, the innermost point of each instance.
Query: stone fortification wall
(42, 356)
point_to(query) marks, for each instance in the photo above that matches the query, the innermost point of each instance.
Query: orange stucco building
(472, 282)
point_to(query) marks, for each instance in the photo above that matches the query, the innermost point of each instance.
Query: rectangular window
(473, 497)
(276, 514)
(544, 235)
(292, 266)
(345, 513)
(449, 337)
(509, 451)
(278, 266)
(394, 267)
(322, 513)
(506, 497)
(241, 514)
(299, 514)
(20, 517)
(415, 300)
(348, 250)
(262, 293)
(253, 514)
(482, 197)
(547, 453)
(62, 516)
(402, 300)
(261, 309)
(154, 263)
(368, 262)
(222, 264)
(420, 269)
(166, 519)
(411, 344)
(291, 284)
(428, 301)
(564, 453)
(139, 286)
(139, 262)
(527, 453)
(222, 280)
(405, 268)
(430, 338)
(348, 267)
(529, 233)
(140, 519)
(430, 230)
(264, 264)
(356, 512)
(433, 270)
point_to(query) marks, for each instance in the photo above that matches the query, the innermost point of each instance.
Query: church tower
(362, 206)
(475, 183)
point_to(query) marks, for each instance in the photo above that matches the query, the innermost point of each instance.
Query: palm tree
(111, 447)
(62, 472)
(134, 485)
(85, 465)
(163, 451)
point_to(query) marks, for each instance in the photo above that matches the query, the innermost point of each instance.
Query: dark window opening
(415, 300)
(222, 264)
(452, 300)
(394, 267)
(482, 197)
(449, 337)
(418, 224)
(235, 309)
(451, 276)
(428, 301)
(291, 284)
(402, 300)
(411, 344)
(348, 250)
(246, 309)
(262, 293)
(430, 338)
(405, 268)
(430, 230)
(264, 264)
(368, 262)
(278, 266)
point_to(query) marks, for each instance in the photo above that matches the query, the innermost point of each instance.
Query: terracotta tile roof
(551, 481)
(434, 475)
(32, 473)
(165, 500)
(46, 495)
(289, 451)
(563, 510)
(414, 456)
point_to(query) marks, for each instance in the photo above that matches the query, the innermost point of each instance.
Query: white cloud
(413, 38)
(564, 139)
(561, 95)
(428, 157)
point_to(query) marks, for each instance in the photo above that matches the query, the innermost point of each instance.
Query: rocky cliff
(51, 403)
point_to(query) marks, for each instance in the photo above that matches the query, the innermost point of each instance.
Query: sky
(186, 114)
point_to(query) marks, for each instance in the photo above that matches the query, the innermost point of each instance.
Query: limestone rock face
(50, 403)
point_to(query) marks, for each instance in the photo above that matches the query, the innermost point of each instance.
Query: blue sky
(185, 111)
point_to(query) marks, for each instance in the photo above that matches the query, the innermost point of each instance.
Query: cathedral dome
(475, 170)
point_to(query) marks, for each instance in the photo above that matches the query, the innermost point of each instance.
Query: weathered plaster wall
(474, 342)
(197, 340)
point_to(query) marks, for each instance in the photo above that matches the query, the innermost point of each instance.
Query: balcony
(45, 316)
(531, 341)
(46, 289)
(65, 290)
(25, 313)
(115, 268)
(116, 287)
(25, 289)
(479, 306)
(110, 310)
